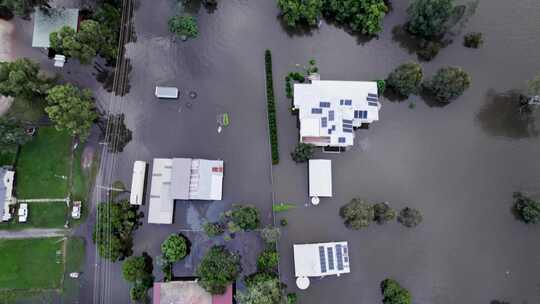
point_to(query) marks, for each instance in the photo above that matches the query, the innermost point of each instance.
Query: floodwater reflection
(503, 116)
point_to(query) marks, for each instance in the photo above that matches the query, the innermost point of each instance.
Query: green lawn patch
(80, 178)
(40, 215)
(30, 264)
(43, 165)
(282, 207)
(271, 104)
(74, 263)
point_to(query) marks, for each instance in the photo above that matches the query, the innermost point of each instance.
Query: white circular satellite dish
(302, 282)
(315, 200)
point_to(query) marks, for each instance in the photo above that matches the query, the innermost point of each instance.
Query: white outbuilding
(137, 183)
(320, 178)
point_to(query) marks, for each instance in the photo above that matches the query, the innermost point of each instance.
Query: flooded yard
(458, 164)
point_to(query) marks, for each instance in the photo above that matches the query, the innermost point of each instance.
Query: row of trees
(358, 214)
(363, 16)
(447, 84)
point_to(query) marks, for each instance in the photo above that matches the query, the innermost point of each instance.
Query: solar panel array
(330, 258)
(324, 104)
(316, 111)
(339, 256)
(346, 102)
(360, 114)
(341, 140)
(322, 259)
(324, 122)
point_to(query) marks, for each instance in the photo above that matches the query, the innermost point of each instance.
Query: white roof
(182, 179)
(6, 193)
(166, 92)
(328, 110)
(137, 183)
(321, 259)
(320, 177)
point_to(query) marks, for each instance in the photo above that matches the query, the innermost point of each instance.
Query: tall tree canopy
(22, 7)
(262, 289)
(174, 248)
(448, 83)
(218, 268)
(357, 214)
(406, 79)
(393, 293)
(71, 109)
(363, 16)
(82, 45)
(21, 78)
(429, 18)
(11, 134)
(297, 12)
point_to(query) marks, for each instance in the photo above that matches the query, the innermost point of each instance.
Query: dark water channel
(458, 164)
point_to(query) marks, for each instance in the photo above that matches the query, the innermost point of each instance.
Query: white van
(166, 92)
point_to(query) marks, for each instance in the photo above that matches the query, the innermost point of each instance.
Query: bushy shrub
(268, 260)
(270, 234)
(217, 269)
(410, 217)
(393, 293)
(283, 222)
(381, 86)
(383, 213)
(473, 40)
(406, 78)
(448, 84)
(213, 229)
(303, 152)
(357, 214)
(272, 120)
(292, 298)
(429, 50)
(527, 208)
(184, 26)
(242, 217)
(174, 248)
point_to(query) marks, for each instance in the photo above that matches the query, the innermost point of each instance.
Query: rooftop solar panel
(347, 130)
(324, 122)
(365, 115)
(316, 111)
(322, 259)
(347, 121)
(348, 102)
(341, 139)
(372, 99)
(373, 104)
(339, 257)
(331, 115)
(330, 252)
(373, 95)
(324, 104)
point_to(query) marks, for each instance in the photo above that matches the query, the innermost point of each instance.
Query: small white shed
(320, 178)
(166, 92)
(137, 183)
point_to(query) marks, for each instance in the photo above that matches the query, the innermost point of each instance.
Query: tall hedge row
(271, 107)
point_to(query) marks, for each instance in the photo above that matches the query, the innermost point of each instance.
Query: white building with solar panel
(320, 260)
(330, 110)
(182, 179)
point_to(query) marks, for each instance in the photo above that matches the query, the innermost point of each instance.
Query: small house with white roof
(329, 111)
(7, 199)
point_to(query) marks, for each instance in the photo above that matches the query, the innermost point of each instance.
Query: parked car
(76, 211)
(23, 213)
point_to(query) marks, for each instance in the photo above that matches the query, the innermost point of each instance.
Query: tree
(217, 269)
(71, 109)
(448, 84)
(527, 208)
(137, 268)
(473, 40)
(428, 18)
(83, 44)
(12, 134)
(533, 86)
(303, 152)
(174, 248)
(21, 79)
(184, 26)
(268, 260)
(363, 16)
(213, 229)
(410, 217)
(119, 135)
(270, 234)
(113, 230)
(393, 293)
(383, 213)
(406, 78)
(298, 12)
(109, 18)
(246, 217)
(357, 214)
(23, 7)
(263, 290)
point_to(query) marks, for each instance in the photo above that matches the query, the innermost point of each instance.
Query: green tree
(174, 248)
(410, 217)
(527, 208)
(266, 290)
(12, 134)
(473, 40)
(533, 86)
(428, 18)
(23, 7)
(383, 213)
(406, 79)
(363, 16)
(393, 293)
(22, 79)
(83, 44)
(113, 230)
(213, 229)
(298, 12)
(268, 260)
(448, 84)
(137, 268)
(109, 18)
(303, 152)
(270, 234)
(184, 26)
(217, 269)
(246, 217)
(71, 109)
(357, 214)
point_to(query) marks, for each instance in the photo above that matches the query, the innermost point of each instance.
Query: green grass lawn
(74, 263)
(30, 264)
(43, 165)
(41, 215)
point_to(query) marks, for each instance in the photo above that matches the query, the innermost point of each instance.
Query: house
(320, 179)
(47, 21)
(182, 179)
(188, 292)
(320, 260)
(6, 193)
(329, 111)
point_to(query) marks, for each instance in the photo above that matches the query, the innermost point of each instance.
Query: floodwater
(458, 164)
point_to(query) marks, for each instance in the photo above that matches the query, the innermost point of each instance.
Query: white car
(76, 211)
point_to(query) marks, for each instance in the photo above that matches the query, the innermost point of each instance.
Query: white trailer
(166, 92)
(137, 183)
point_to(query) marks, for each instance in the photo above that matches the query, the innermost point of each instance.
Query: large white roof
(328, 110)
(320, 177)
(321, 259)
